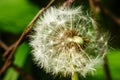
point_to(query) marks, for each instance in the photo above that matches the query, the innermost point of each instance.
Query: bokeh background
(15, 15)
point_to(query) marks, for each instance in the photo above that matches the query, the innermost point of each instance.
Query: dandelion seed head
(65, 42)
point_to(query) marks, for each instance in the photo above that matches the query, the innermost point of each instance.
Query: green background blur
(15, 15)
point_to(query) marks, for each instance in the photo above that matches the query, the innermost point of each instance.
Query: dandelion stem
(74, 76)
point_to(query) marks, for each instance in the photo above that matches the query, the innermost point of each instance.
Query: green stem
(74, 76)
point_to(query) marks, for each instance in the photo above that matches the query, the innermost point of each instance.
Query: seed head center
(71, 39)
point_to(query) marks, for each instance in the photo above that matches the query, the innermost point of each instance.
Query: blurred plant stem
(106, 69)
(96, 10)
(3, 45)
(75, 76)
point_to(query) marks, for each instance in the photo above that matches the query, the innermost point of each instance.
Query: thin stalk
(106, 69)
(75, 76)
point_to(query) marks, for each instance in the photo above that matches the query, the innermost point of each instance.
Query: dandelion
(65, 42)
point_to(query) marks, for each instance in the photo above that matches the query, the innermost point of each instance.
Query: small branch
(106, 69)
(30, 25)
(6, 65)
(107, 12)
(22, 73)
(93, 6)
(6, 53)
(93, 12)
(68, 2)
(116, 19)
(7, 62)
(3, 45)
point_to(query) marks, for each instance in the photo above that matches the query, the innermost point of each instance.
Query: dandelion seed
(65, 42)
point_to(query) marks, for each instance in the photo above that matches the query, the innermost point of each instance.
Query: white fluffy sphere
(65, 42)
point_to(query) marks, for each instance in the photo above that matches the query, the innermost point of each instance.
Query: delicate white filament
(54, 51)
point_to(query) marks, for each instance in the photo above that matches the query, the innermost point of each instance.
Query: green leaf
(15, 15)
(114, 64)
(20, 58)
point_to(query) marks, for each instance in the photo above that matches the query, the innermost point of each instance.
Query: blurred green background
(15, 16)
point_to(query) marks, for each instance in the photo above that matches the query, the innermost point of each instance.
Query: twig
(9, 59)
(30, 25)
(6, 53)
(6, 65)
(92, 8)
(3, 45)
(68, 2)
(22, 73)
(107, 12)
(115, 19)
(106, 66)
(106, 69)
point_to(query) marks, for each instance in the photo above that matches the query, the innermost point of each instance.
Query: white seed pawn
(65, 42)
